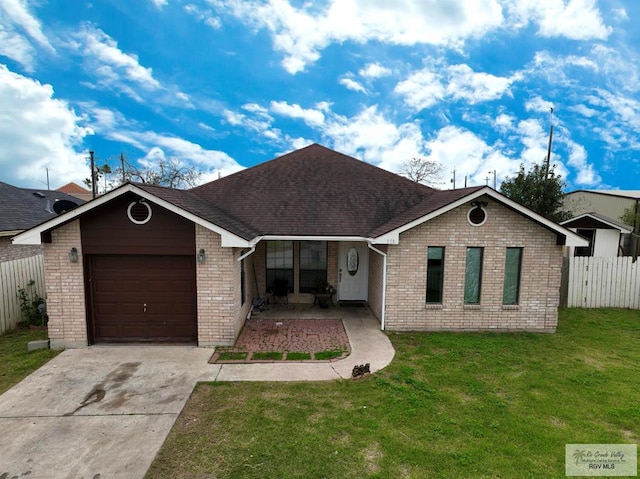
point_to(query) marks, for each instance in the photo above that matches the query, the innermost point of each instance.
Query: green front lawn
(15, 361)
(450, 405)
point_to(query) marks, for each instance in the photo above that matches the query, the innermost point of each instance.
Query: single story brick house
(150, 264)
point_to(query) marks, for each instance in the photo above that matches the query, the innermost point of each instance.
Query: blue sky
(226, 84)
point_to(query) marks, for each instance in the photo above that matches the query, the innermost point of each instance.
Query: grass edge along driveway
(16, 362)
(450, 405)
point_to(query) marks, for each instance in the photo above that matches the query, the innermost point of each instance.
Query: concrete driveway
(105, 411)
(101, 412)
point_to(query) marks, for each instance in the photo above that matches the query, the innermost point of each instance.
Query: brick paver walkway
(288, 335)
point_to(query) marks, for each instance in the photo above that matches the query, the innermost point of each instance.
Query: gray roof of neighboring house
(23, 208)
(575, 222)
(631, 194)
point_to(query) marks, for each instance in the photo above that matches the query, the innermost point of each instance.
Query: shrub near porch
(450, 405)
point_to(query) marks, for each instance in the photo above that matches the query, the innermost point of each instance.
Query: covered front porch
(347, 274)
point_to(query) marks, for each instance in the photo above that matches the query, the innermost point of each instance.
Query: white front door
(353, 271)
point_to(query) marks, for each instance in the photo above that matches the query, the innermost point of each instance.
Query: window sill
(433, 306)
(513, 307)
(472, 306)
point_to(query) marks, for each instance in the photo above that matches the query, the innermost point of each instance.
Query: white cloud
(159, 3)
(584, 110)
(574, 19)
(424, 88)
(370, 136)
(301, 33)
(302, 30)
(538, 105)
(474, 87)
(19, 32)
(261, 124)
(586, 175)
(620, 14)
(16, 11)
(374, 70)
(421, 89)
(114, 68)
(154, 146)
(16, 47)
(619, 66)
(311, 117)
(504, 121)
(204, 15)
(353, 85)
(38, 131)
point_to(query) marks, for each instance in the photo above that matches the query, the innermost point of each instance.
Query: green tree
(539, 189)
(631, 217)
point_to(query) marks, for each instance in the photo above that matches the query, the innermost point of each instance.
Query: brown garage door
(137, 298)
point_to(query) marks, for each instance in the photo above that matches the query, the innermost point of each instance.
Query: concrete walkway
(105, 411)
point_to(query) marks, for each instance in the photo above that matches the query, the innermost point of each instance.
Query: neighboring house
(76, 190)
(150, 264)
(23, 208)
(609, 205)
(607, 237)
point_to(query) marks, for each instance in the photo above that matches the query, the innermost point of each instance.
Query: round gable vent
(139, 212)
(477, 216)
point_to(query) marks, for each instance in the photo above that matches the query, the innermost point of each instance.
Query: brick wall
(220, 313)
(65, 289)
(10, 252)
(376, 265)
(540, 278)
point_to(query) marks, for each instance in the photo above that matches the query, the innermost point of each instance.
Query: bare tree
(422, 171)
(171, 173)
(163, 172)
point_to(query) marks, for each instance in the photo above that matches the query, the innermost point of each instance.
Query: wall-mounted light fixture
(73, 255)
(201, 256)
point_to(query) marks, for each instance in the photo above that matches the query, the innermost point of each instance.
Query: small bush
(30, 304)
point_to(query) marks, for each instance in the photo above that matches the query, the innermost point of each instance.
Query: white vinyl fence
(14, 275)
(603, 282)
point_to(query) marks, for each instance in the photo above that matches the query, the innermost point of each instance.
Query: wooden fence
(603, 282)
(14, 275)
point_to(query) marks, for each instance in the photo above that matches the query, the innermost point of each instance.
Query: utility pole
(48, 187)
(548, 159)
(124, 179)
(453, 180)
(494, 178)
(93, 175)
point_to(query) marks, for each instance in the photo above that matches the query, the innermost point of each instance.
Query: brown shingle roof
(433, 203)
(73, 189)
(315, 191)
(198, 206)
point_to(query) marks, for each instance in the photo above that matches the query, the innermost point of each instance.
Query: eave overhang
(566, 237)
(34, 235)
